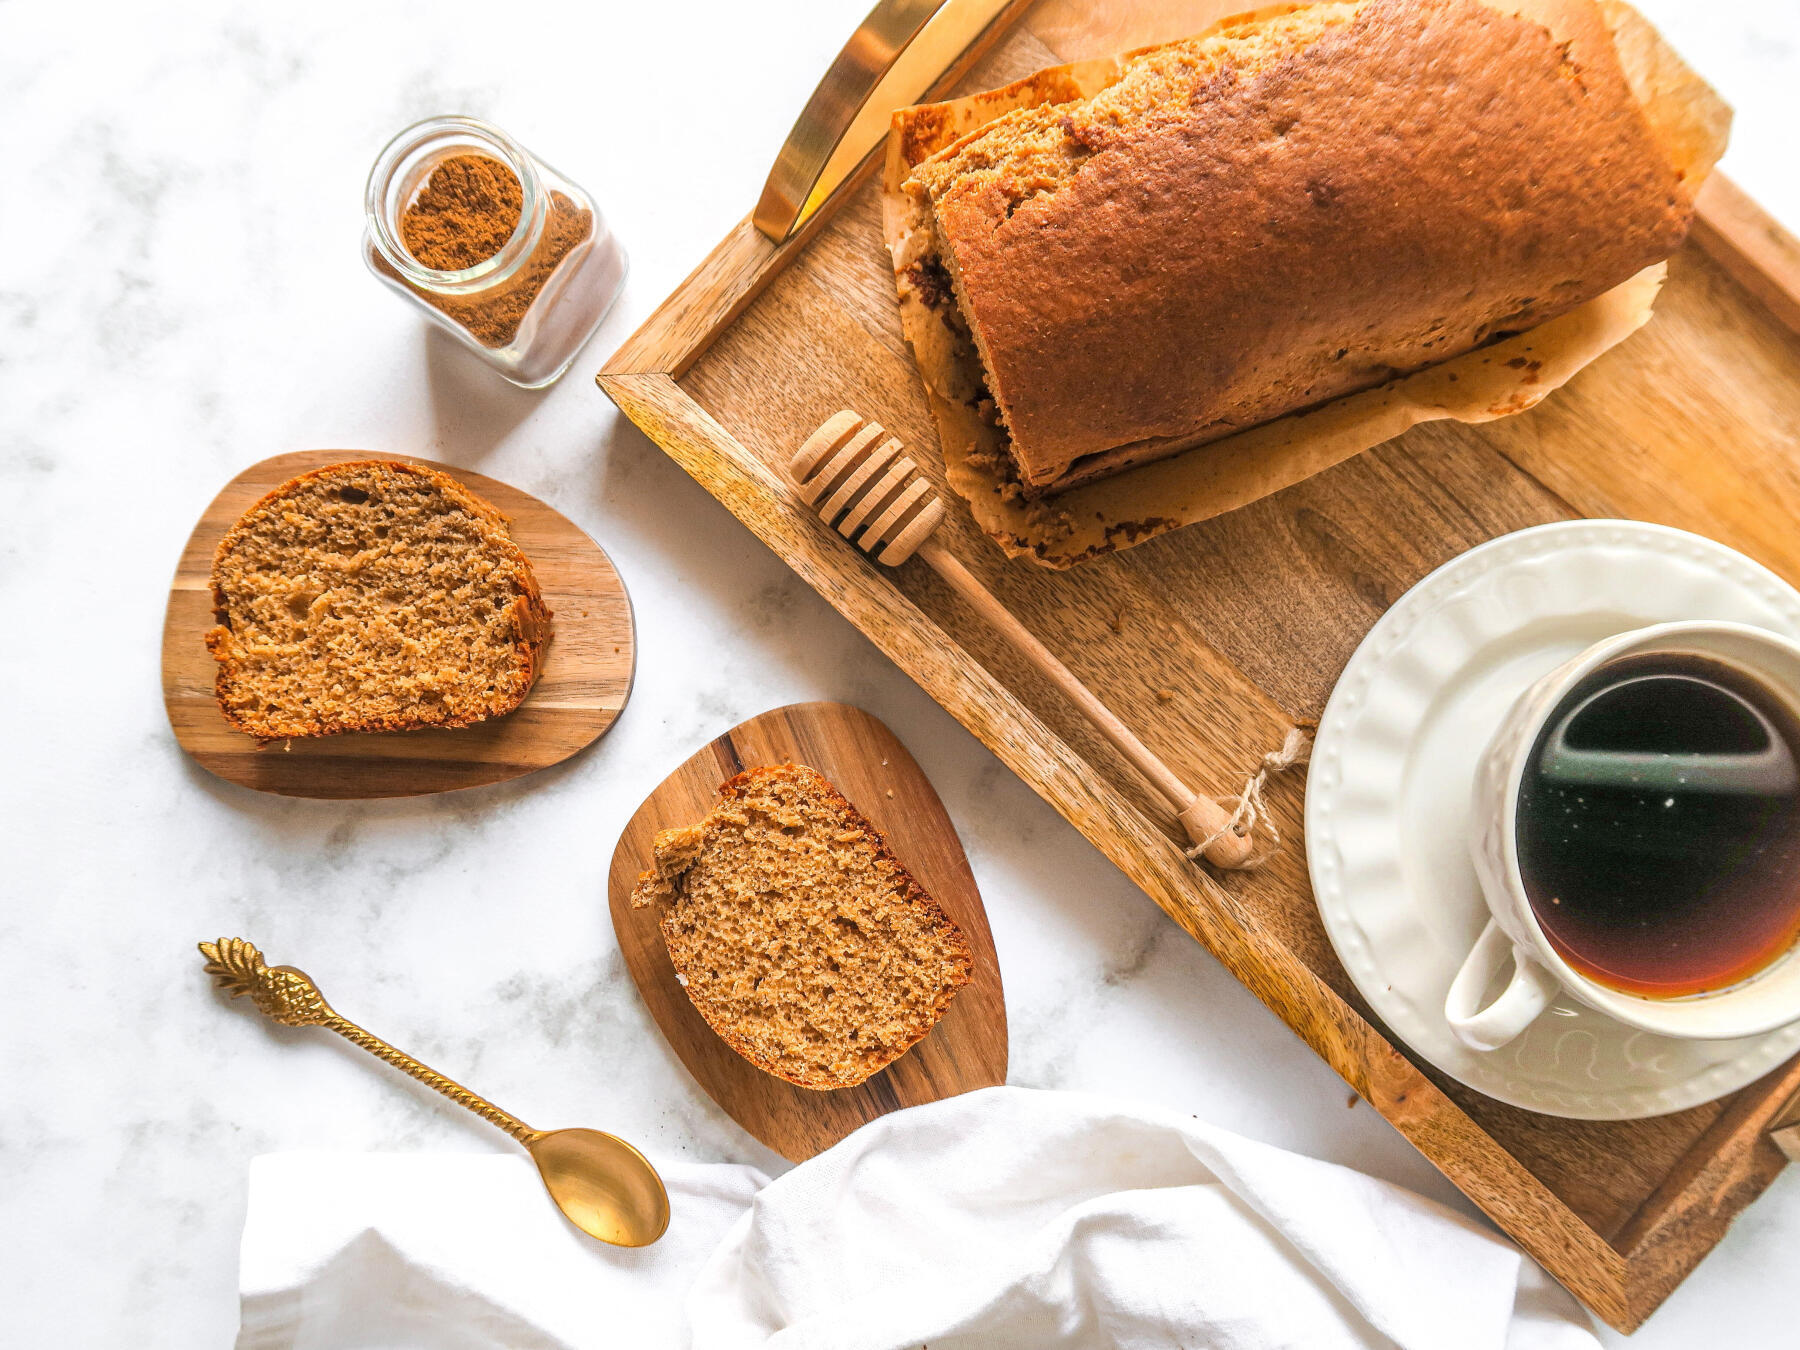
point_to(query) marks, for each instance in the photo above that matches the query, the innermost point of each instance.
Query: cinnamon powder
(465, 214)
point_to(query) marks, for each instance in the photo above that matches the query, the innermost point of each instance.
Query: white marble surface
(181, 294)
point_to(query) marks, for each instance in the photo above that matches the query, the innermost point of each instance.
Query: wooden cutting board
(1212, 640)
(583, 687)
(862, 758)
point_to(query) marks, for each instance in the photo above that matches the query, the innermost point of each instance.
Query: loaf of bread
(372, 596)
(1293, 206)
(799, 936)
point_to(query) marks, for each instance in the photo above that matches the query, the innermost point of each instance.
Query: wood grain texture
(1108, 803)
(1210, 641)
(864, 761)
(1751, 246)
(584, 684)
(864, 485)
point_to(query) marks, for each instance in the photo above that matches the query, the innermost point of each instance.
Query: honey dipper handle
(1202, 817)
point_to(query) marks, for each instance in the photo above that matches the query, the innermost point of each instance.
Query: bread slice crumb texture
(798, 935)
(372, 596)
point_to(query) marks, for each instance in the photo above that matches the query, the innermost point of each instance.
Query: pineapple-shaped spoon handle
(290, 997)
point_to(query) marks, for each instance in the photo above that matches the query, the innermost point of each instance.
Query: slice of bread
(799, 936)
(372, 596)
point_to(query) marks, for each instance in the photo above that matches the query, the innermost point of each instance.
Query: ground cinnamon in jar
(465, 213)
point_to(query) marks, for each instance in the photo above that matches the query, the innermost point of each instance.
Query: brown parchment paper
(1494, 381)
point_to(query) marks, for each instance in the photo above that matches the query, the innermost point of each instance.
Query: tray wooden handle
(892, 59)
(1751, 245)
(1787, 1139)
(1784, 1133)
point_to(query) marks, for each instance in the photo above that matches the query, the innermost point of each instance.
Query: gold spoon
(605, 1186)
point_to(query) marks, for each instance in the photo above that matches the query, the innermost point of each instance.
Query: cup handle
(1526, 995)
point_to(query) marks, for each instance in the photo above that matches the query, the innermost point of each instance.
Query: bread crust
(1308, 228)
(678, 848)
(531, 617)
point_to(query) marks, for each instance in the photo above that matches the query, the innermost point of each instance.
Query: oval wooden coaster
(582, 688)
(861, 757)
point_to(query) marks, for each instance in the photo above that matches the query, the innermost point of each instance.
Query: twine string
(1251, 814)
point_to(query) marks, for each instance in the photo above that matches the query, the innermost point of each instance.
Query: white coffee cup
(1762, 1002)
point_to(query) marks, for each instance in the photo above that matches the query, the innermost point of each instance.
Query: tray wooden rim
(1623, 1280)
(588, 716)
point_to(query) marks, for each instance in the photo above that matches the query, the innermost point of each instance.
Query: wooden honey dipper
(861, 483)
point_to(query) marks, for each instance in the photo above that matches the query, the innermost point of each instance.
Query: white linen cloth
(394, 1251)
(1003, 1218)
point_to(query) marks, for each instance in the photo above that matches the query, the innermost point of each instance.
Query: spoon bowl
(605, 1186)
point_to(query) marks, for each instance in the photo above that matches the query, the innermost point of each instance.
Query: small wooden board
(581, 690)
(864, 761)
(1212, 640)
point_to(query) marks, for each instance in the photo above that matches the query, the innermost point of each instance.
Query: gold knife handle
(897, 55)
(290, 996)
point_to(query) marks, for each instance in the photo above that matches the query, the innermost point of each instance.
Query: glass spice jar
(528, 306)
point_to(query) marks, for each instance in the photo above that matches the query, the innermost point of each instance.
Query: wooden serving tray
(1211, 641)
(864, 761)
(580, 692)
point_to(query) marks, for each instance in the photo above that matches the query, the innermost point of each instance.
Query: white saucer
(1387, 802)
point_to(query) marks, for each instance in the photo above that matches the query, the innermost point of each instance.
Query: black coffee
(1659, 825)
